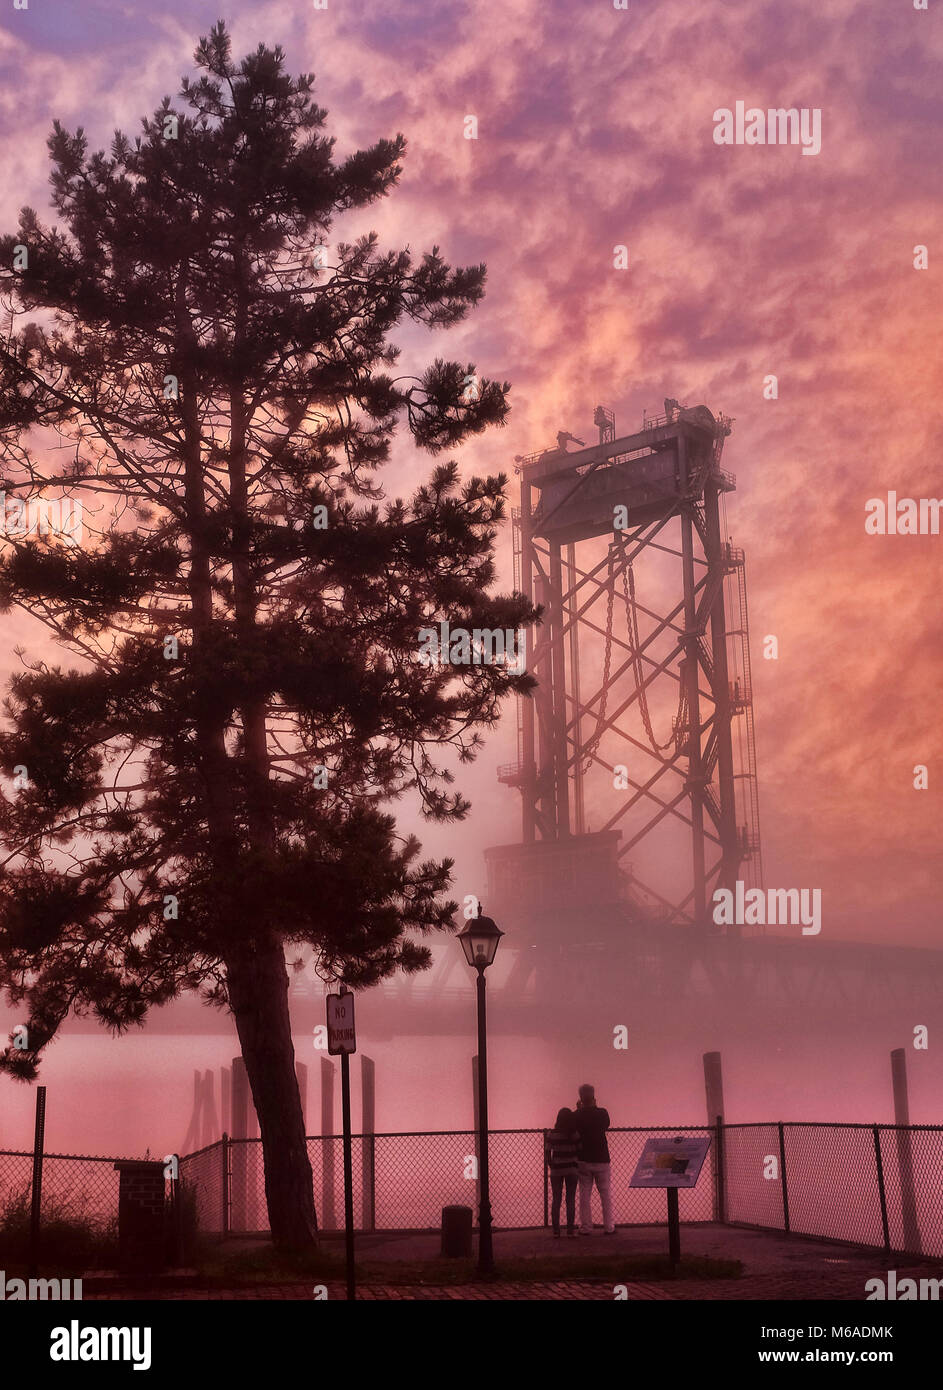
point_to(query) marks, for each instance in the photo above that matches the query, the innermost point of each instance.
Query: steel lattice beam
(666, 478)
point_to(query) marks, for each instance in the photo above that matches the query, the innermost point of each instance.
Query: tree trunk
(257, 981)
(258, 996)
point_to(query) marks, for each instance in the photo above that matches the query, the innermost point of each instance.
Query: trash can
(457, 1231)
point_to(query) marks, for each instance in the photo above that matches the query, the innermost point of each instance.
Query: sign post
(674, 1228)
(671, 1163)
(37, 1185)
(342, 1039)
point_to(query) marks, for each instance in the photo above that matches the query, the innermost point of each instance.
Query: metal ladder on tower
(752, 801)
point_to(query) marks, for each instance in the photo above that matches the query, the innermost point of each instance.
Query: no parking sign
(341, 1034)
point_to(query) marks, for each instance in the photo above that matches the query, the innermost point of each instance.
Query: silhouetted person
(592, 1122)
(561, 1146)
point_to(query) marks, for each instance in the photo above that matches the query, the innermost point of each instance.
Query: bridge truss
(649, 629)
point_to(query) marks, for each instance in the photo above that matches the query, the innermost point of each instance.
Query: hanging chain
(631, 622)
(607, 664)
(676, 737)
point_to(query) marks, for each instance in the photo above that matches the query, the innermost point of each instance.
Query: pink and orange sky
(595, 129)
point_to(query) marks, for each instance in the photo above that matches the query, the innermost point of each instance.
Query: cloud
(595, 130)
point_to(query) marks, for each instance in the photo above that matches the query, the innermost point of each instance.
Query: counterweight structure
(642, 722)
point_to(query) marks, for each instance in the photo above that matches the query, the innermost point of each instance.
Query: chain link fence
(401, 1182)
(205, 1174)
(77, 1211)
(870, 1185)
(750, 1154)
(875, 1185)
(912, 1161)
(80, 1186)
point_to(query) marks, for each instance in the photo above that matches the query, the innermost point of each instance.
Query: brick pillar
(141, 1235)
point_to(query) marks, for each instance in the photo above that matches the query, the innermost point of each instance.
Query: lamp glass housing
(480, 942)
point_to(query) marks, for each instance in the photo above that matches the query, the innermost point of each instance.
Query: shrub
(70, 1239)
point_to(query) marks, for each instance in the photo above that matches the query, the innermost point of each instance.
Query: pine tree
(212, 781)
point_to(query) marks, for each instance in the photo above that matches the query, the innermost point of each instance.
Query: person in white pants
(592, 1121)
(601, 1175)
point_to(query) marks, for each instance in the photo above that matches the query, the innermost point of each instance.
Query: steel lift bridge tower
(642, 721)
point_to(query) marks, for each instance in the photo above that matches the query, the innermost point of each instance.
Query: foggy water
(121, 1096)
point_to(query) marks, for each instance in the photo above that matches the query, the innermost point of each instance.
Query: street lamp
(480, 942)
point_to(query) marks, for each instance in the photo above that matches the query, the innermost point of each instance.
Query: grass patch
(266, 1266)
(71, 1239)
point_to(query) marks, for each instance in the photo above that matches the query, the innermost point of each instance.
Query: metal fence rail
(81, 1187)
(871, 1185)
(402, 1181)
(206, 1174)
(874, 1185)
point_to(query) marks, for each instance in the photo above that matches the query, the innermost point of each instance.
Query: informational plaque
(668, 1162)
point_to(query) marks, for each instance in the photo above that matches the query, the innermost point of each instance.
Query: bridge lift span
(642, 722)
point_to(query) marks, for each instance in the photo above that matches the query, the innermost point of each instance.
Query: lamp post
(480, 942)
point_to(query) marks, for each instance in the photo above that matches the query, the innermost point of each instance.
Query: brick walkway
(498, 1292)
(775, 1287)
(774, 1268)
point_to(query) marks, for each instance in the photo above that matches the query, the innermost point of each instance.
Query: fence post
(224, 1147)
(37, 1185)
(254, 1158)
(714, 1090)
(328, 1218)
(176, 1197)
(239, 1205)
(903, 1142)
(477, 1145)
(720, 1196)
(546, 1182)
(881, 1191)
(782, 1177)
(368, 1142)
